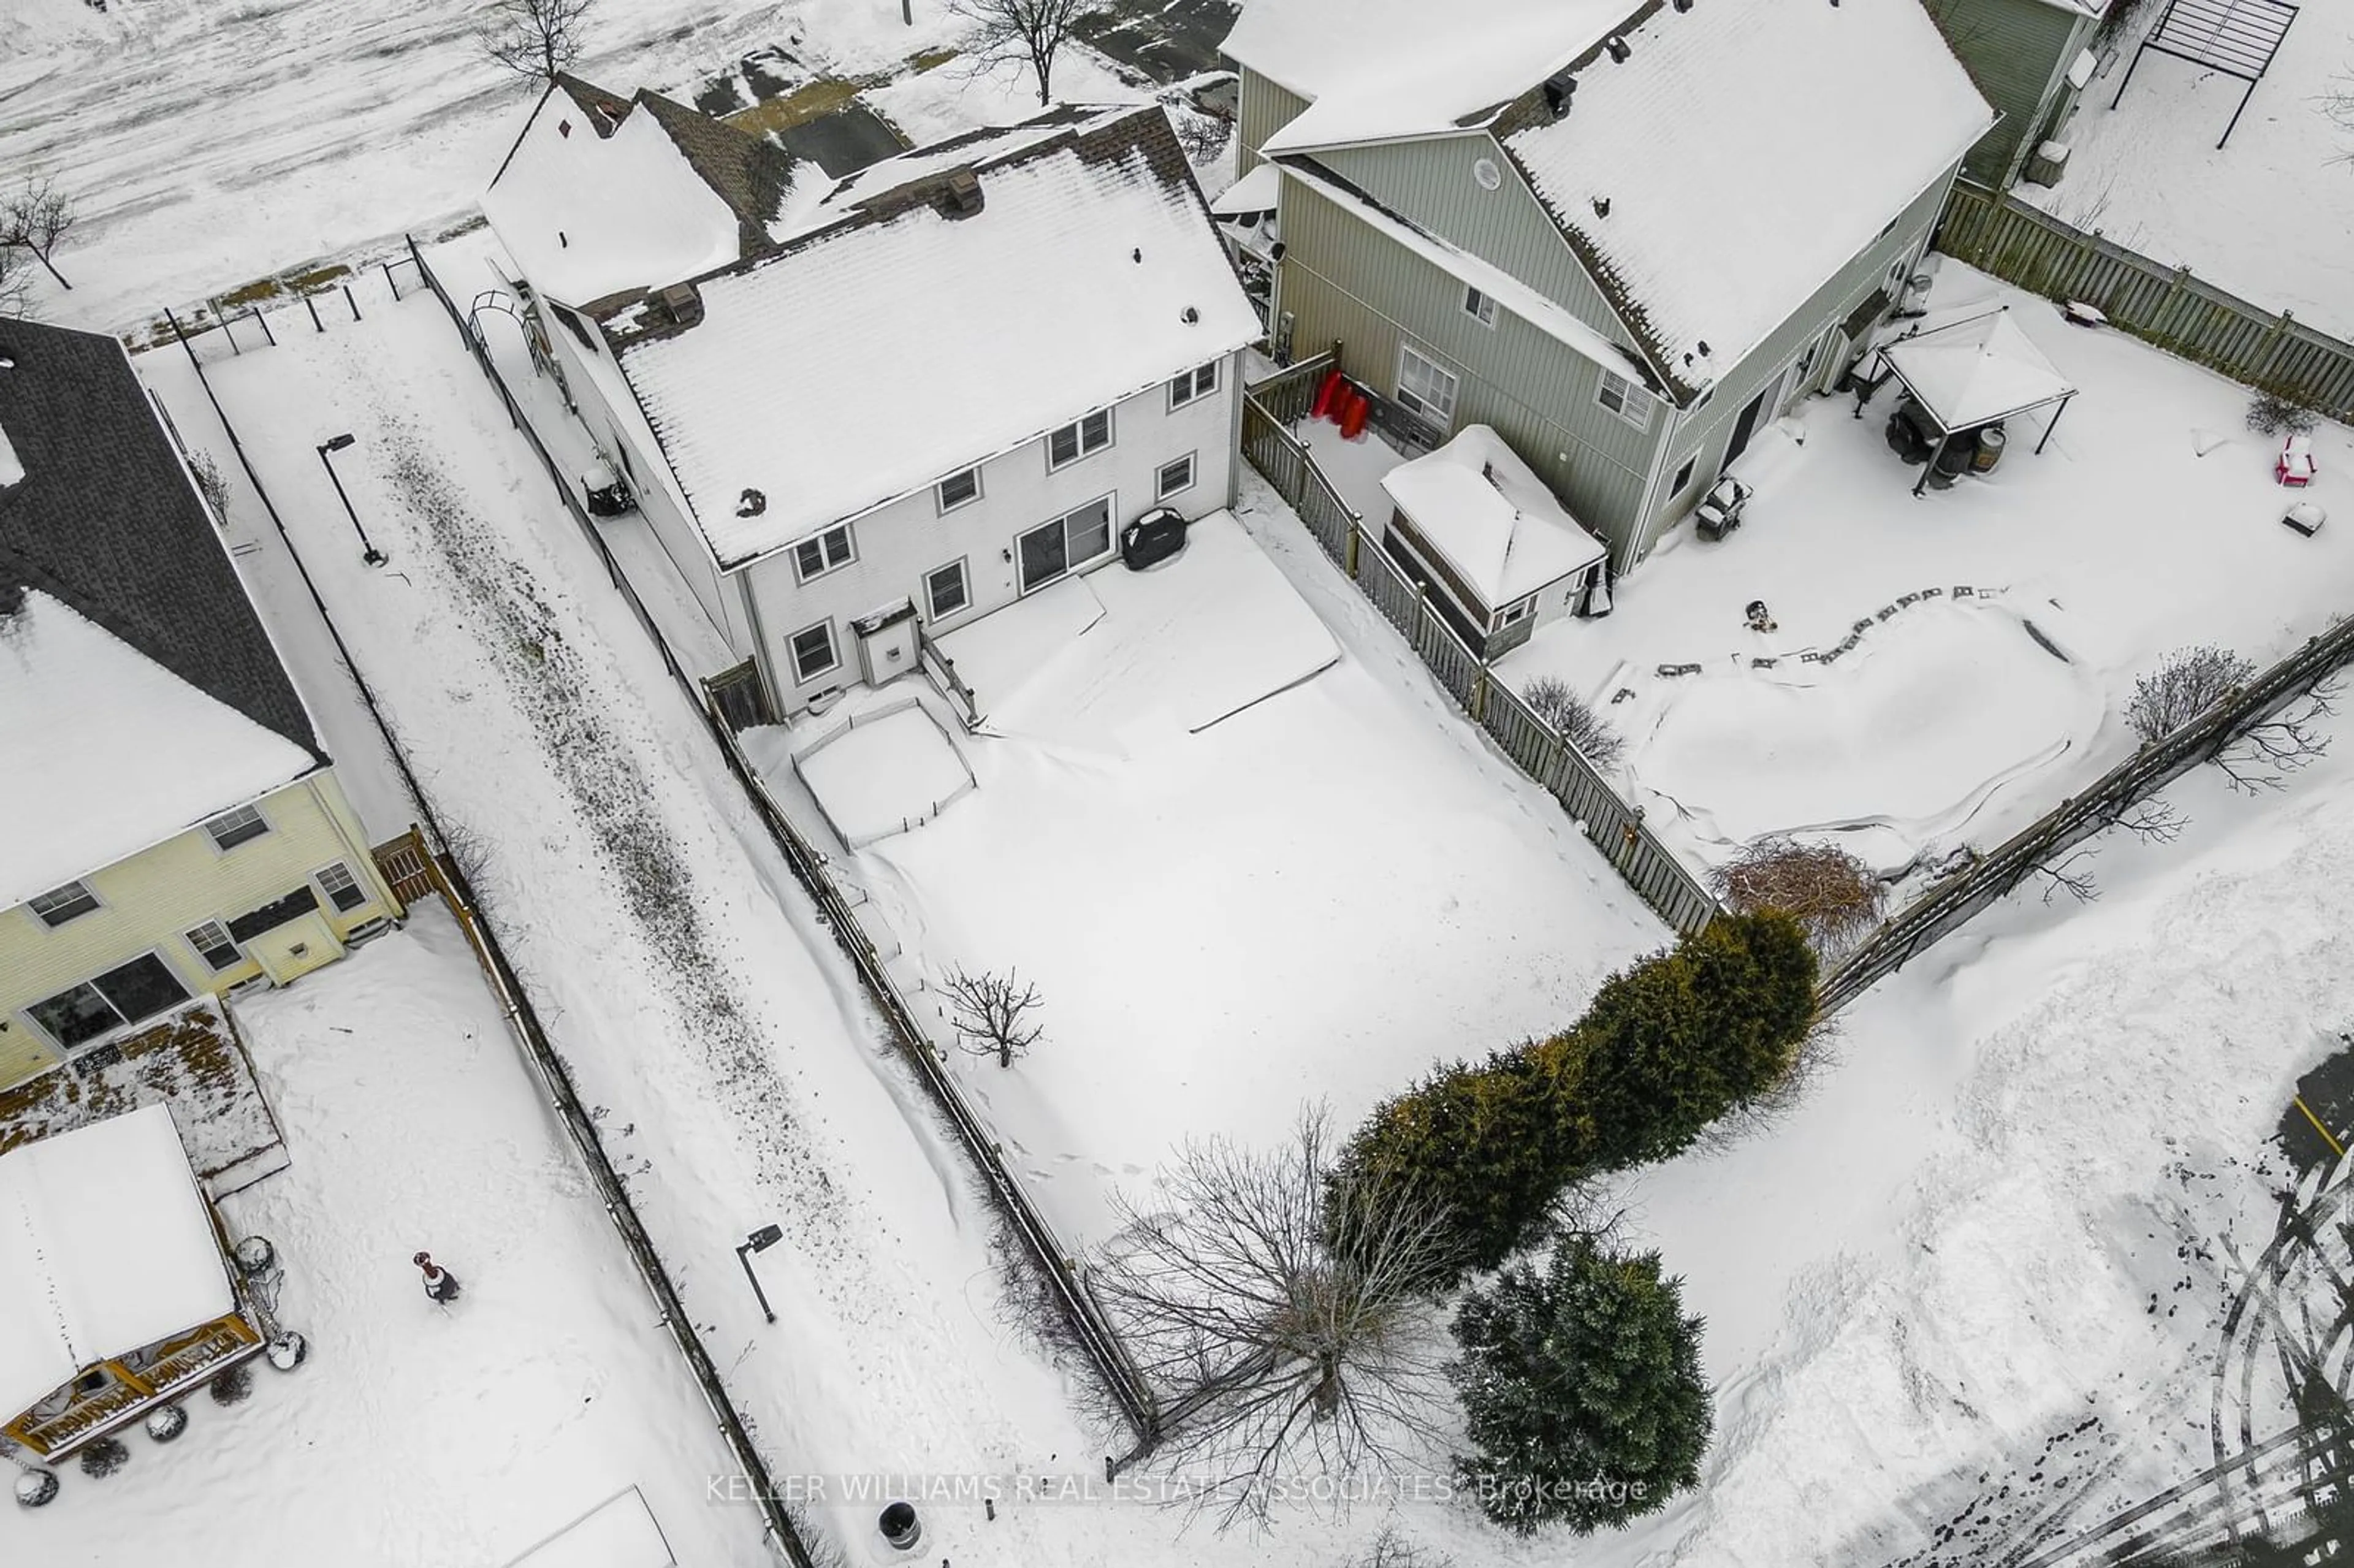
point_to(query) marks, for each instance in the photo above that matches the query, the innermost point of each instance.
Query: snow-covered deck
(1985, 637)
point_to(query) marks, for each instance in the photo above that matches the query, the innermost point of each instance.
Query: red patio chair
(2295, 466)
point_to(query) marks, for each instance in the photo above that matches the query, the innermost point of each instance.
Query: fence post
(1479, 695)
(2267, 349)
(1421, 616)
(1354, 535)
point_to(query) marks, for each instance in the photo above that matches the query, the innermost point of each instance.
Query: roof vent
(1602, 207)
(681, 303)
(1191, 315)
(1682, 7)
(1558, 89)
(751, 503)
(963, 193)
(1618, 50)
(12, 596)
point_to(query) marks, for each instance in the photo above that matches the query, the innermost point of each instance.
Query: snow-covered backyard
(416, 1434)
(1987, 636)
(2266, 215)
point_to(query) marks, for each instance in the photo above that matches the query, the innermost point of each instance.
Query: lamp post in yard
(368, 553)
(760, 1240)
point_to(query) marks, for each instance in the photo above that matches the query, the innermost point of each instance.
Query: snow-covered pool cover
(872, 359)
(1977, 370)
(1487, 511)
(885, 773)
(114, 753)
(105, 1247)
(619, 1533)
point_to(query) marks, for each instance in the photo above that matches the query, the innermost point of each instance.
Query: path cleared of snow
(415, 1436)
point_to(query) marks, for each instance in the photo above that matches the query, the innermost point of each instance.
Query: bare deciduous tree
(1279, 1306)
(1023, 34)
(2265, 754)
(210, 484)
(1550, 698)
(2187, 683)
(33, 218)
(15, 284)
(992, 1014)
(1821, 886)
(535, 39)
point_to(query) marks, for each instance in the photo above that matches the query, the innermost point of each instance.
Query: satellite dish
(1487, 173)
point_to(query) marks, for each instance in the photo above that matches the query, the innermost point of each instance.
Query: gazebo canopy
(1974, 371)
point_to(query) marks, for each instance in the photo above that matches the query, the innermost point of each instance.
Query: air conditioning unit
(681, 303)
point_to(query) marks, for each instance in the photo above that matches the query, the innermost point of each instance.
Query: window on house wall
(957, 489)
(1683, 476)
(60, 904)
(1173, 477)
(826, 552)
(231, 829)
(1048, 551)
(1194, 384)
(1514, 614)
(1079, 438)
(342, 888)
(1479, 307)
(212, 942)
(1425, 386)
(945, 589)
(1626, 399)
(79, 1014)
(813, 651)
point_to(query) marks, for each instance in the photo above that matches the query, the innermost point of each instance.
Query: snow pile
(876, 773)
(1089, 273)
(130, 754)
(106, 1246)
(1716, 252)
(1911, 733)
(1487, 511)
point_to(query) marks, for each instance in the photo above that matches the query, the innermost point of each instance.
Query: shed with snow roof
(116, 1295)
(1497, 554)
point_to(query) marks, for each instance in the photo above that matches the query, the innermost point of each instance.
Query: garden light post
(369, 552)
(760, 1240)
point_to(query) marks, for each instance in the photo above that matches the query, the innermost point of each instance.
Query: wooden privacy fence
(1617, 828)
(1083, 1322)
(2101, 805)
(2165, 305)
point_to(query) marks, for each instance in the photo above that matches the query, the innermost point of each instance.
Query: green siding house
(1623, 236)
(2031, 58)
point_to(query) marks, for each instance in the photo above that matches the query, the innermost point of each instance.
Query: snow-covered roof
(1977, 370)
(1533, 307)
(1493, 519)
(621, 1532)
(1254, 192)
(1434, 52)
(1745, 151)
(114, 753)
(988, 144)
(106, 1246)
(870, 357)
(595, 200)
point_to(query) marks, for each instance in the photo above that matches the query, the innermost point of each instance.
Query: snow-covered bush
(2187, 683)
(103, 1458)
(2274, 414)
(1582, 1392)
(1829, 892)
(1550, 698)
(1391, 1549)
(232, 1387)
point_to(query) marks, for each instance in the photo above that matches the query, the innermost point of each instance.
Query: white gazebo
(1975, 371)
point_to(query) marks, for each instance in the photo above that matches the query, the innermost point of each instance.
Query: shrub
(1829, 892)
(2189, 682)
(1550, 698)
(1582, 1392)
(104, 1457)
(234, 1385)
(2276, 414)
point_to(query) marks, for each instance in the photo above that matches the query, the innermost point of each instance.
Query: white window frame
(1197, 383)
(32, 904)
(1413, 402)
(236, 949)
(1078, 429)
(964, 586)
(1634, 405)
(1512, 614)
(1071, 567)
(940, 491)
(822, 541)
(213, 829)
(1162, 489)
(319, 879)
(833, 652)
(1479, 306)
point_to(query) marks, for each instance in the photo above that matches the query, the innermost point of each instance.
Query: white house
(920, 393)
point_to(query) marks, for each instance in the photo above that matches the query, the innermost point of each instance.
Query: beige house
(174, 828)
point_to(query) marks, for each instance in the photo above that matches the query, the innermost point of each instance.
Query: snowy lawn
(874, 772)
(2265, 216)
(2150, 522)
(416, 1434)
(1320, 896)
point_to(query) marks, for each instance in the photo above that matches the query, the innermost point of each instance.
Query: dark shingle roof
(106, 521)
(743, 170)
(605, 110)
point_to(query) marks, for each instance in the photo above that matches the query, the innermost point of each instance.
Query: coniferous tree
(1582, 1392)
